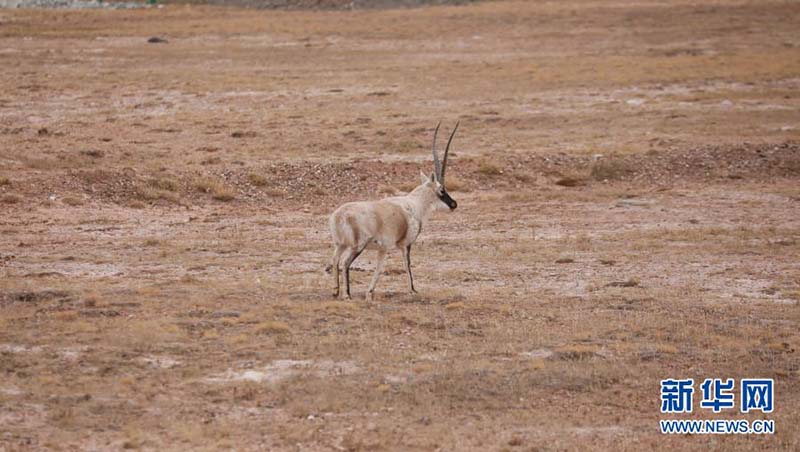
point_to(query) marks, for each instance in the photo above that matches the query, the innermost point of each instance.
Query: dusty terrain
(628, 179)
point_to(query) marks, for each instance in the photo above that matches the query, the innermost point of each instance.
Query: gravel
(333, 4)
(265, 4)
(71, 4)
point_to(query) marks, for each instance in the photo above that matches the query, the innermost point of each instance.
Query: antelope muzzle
(450, 202)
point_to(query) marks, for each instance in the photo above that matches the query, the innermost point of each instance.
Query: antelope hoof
(336, 293)
(370, 296)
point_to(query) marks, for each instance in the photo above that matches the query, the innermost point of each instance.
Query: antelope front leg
(378, 270)
(407, 262)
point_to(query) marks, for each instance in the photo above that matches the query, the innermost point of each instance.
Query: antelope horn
(446, 150)
(437, 165)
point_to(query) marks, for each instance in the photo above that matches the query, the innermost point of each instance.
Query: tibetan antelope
(390, 223)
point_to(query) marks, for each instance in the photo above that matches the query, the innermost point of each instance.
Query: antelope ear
(423, 178)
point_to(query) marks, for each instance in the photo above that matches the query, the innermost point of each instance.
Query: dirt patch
(34, 297)
(283, 369)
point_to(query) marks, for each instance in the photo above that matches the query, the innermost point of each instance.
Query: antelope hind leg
(350, 258)
(337, 256)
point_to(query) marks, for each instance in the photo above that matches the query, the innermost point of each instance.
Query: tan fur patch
(351, 221)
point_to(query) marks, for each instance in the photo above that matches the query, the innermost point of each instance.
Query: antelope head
(436, 179)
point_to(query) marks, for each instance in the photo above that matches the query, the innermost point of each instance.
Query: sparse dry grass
(215, 187)
(524, 177)
(337, 306)
(10, 199)
(456, 184)
(45, 164)
(163, 183)
(93, 153)
(610, 169)
(406, 147)
(274, 192)
(148, 193)
(272, 327)
(4, 181)
(489, 169)
(72, 201)
(576, 352)
(571, 181)
(257, 179)
(406, 187)
(225, 194)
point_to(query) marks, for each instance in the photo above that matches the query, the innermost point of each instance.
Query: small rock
(628, 283)
(94, 153)
(540, 354)
(157, 40)
(632, 203)
(570, 182)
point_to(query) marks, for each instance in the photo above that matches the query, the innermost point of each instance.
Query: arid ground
(628, 179)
